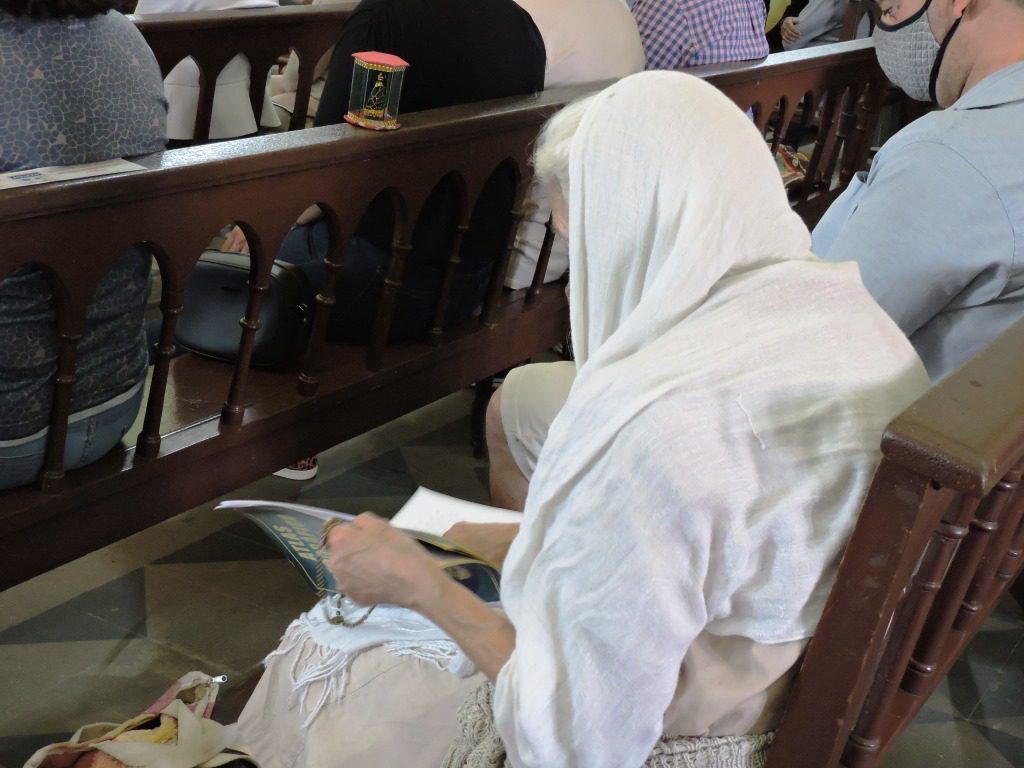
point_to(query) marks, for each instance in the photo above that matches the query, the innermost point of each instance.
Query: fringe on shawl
(315, 663)
(478, 745)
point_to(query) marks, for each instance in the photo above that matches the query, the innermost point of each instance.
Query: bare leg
(508, 484)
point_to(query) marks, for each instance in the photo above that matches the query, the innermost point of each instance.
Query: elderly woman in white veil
(691, 501)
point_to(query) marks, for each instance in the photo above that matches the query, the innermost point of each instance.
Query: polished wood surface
(211, 427)
(262, 35)
(938, 541)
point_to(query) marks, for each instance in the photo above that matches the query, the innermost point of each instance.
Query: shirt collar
(1002, 87)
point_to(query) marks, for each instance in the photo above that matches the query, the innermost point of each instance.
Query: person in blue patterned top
(79, 85)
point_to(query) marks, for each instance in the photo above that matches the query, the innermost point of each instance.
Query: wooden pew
(213, 38)
(940, 536)
(842, 82)
(212, 427)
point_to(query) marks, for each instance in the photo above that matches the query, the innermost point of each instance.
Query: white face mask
(910, 55)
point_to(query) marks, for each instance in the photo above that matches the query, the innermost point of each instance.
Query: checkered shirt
(689, 33)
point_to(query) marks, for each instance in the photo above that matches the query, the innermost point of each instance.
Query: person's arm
(816, 19)
(929, 234)
(375, 563)
(487, 540)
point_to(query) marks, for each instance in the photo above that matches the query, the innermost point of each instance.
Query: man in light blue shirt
(937, 225)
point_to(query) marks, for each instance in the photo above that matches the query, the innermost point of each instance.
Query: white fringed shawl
(709, 463)
(323, 652)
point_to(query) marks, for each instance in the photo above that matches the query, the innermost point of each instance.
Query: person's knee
(494, 429)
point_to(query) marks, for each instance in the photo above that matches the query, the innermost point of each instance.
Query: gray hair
(551, 156)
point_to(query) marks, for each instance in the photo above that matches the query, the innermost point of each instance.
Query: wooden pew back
(940, 537)
(213, 38)
(211, 427)
(841, 84)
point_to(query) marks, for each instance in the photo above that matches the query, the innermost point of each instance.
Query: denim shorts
(92, 433)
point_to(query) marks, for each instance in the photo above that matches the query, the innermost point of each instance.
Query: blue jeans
(361, 279)
(90, 436)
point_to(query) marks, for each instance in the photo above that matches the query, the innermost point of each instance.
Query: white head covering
(723, 427)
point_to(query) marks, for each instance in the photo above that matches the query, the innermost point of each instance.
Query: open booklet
(295, 529)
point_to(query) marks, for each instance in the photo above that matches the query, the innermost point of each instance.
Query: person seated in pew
(86, 88)
(819, 22)
(232, 114)
(691, 33)
(937, 225)
(688, 510)
(459, 51)
(585, 41)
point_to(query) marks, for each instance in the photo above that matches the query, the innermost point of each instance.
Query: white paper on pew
(433, 512)
(53, 173)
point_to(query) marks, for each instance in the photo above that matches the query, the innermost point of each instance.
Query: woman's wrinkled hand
(375, 563)
(790, 29)
(487, 540)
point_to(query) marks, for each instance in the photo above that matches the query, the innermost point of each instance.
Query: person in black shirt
(459, 51)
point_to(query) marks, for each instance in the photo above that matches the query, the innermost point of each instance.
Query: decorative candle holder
(376, 88)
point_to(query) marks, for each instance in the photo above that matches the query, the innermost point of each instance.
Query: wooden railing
(939, 539)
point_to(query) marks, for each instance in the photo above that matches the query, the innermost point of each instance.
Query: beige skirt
(396, 711)
(404, 711)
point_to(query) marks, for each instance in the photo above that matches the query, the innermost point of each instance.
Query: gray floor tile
(110, 612)
(15, 750)
(240, 541)
(956, 744)
(62, 686)
(215, 612)
(387, 474)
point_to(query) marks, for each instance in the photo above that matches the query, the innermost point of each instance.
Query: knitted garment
(478, 744)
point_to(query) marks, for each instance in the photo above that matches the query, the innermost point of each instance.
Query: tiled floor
(100, 638)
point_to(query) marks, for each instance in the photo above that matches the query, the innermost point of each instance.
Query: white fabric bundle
(708, 466)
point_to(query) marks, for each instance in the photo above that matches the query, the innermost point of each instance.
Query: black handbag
(216, 298)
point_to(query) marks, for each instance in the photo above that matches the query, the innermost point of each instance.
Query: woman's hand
(375, 563)
(790, 29)
(235, 242)
(488, 540)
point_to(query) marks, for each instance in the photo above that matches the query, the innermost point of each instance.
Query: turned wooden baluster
(781, 124)
(856, 153)
(437, 329)
(388, 302)
(309, 378)
(501, 265)
(865, 740)
(259, 69)
(822, 141)
(204, 109)
(1010, 569)
(928, 656)
(844, 126)
(70, 327)
(990, 576)
(171, 306)
(542, 262)
(259, 281)
(307, 65)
